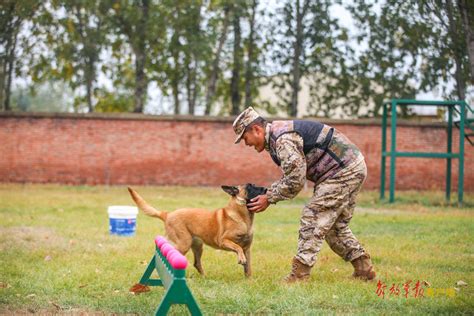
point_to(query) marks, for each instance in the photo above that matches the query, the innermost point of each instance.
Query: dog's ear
(230, 190)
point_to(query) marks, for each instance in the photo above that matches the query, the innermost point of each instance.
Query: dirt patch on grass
(30, 238)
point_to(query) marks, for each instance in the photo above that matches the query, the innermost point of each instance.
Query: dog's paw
(243, 261)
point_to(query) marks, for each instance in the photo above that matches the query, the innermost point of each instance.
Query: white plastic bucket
(122, 220)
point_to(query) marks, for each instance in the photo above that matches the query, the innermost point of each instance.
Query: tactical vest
(308, 130)
(319, 147)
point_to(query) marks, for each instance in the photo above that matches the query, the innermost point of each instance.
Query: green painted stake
(174, 282)
(384, 152)
(393, 144)
(449, 150)
(461, 153)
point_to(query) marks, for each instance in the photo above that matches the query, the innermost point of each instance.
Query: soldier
(320, 153)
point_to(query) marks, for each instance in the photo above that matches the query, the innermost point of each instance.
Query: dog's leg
(247, 268)
(180, 237)
(197, 247)
(230, 245)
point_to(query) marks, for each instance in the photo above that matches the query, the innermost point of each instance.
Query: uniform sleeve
(289, 149)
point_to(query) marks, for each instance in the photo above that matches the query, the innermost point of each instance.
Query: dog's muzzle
(254, 191)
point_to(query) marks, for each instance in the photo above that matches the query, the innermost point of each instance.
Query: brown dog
(228, 228)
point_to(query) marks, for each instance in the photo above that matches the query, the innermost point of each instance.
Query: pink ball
(171, 253)
(161, 246)
(165, 248)
(179, 262)
(160, 240)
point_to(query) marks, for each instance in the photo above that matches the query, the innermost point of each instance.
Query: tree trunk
(9, 34)
(10, 67)
(295, 83)
(141, 82)
(89, 95)
(190, 87)
(192, 65)
(211, 84)
(175, 87)
(5, 77)
(250, 60)
(466, 9)
(87, 54)
(454, 33)
(89, 78)
(176, 74)
(2, 82)
(193, 86)
(235, 82)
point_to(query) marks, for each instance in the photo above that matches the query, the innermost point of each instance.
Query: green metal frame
(449, 155)
(174, 282)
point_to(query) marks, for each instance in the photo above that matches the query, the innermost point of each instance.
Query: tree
(237, 58)
(246, 53)
(141, 24)
(50, 96)
(411, 46)
(195, 48)
(310, 44)
(251, 60)
(382, 70)
(79, 39)
(13, 14)
(72, 34)
(466, 9)
(300, 12)
(186, 49)
(114, 102)
(214, 61)
(292, 50)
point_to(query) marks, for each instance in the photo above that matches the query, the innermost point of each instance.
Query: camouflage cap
(242, 121)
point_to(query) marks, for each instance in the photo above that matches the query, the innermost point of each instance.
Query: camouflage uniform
(327, 214)
(338, 171)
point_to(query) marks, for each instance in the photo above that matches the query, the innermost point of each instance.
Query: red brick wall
(140, 149)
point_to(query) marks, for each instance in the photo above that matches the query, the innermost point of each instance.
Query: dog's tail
(145, 207)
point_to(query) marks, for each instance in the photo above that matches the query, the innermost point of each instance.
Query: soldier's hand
(258, 204)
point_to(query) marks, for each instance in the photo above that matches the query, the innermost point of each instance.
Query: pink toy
(173, 256)
(165, 248)
(179, 262)
(171, 253)
(160, 240)
(162, 244)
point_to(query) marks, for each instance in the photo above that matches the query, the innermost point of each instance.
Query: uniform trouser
(327, 216)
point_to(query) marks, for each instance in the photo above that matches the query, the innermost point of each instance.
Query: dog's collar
(241, 201)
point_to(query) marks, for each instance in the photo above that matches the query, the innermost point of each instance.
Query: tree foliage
(310, 45)
(213, 56)
(412, 46)
(13, 16)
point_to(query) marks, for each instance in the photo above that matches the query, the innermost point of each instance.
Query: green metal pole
(393, 142)
(461, 154)
(450, 148)
(384, 152)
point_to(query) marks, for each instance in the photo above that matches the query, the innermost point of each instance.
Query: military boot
(363, 268)
(299, 272)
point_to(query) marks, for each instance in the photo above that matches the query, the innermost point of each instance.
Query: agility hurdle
(171, 267)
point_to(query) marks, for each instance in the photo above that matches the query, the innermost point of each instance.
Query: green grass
(56, 255)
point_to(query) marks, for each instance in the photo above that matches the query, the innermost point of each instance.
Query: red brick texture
(140, 149)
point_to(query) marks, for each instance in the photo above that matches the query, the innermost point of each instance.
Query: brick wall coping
(191, 118)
